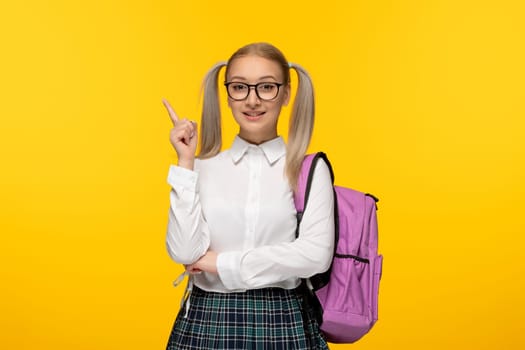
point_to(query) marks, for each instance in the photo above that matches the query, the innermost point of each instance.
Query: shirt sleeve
(187, 237)
(308, 255)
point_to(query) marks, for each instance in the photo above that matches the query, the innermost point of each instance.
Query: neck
(257, 139)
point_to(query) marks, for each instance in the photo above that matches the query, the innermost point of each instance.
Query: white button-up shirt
(240, 205)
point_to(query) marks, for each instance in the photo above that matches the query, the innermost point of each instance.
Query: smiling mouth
(253, 115)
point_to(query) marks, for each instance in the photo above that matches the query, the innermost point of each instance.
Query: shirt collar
(273, 149)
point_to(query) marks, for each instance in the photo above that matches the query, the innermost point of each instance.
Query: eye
(267, 87)
(238, 87)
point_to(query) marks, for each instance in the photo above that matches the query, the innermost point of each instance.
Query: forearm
(187, 236)
(270, 264)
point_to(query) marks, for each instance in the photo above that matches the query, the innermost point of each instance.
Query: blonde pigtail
(301, 125)
(210, 130)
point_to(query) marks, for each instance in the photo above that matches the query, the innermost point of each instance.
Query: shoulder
(322, 170)
(322, 179)
(219, 159)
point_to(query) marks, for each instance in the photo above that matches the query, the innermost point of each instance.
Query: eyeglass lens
(264, 91)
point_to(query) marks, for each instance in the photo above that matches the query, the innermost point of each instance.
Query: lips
(253, 115)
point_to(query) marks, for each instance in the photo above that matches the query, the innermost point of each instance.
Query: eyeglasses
(265, 91)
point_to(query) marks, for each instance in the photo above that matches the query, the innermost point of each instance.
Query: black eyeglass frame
(227, 83)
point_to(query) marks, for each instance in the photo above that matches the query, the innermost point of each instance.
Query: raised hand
(183, 137)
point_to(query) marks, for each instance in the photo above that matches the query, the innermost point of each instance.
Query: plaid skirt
(259, 319)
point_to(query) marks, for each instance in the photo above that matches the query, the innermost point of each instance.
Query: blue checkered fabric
(259, 319)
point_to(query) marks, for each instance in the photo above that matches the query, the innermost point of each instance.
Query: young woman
(232, 217)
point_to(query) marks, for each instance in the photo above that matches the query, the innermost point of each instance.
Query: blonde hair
(301, 120)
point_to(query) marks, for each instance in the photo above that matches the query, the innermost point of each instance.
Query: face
(257, 118)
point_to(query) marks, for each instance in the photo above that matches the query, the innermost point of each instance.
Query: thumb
(195, 129)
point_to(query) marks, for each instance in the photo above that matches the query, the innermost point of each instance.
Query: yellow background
(418, 102)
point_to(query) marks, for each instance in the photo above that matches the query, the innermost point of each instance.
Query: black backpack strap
(325, 158)
(318, 155)
(320, 280)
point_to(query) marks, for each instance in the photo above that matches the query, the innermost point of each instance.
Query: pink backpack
(347, 293)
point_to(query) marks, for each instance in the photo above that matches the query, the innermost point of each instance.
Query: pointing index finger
(173, 116)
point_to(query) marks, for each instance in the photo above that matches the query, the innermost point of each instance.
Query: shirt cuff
(228, 268)
(182, 179)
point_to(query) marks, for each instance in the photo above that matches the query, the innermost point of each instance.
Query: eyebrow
(260, 78)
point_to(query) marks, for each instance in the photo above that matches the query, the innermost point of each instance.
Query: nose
(252, 99)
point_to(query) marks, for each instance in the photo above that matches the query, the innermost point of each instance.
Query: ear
(286, 97)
